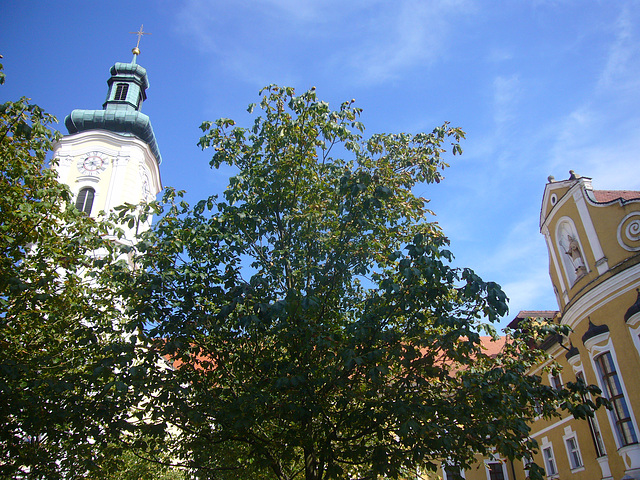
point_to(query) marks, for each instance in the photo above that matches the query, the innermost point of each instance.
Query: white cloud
(500, 54)
(621, 69)
(409, 34)
(196, 23)
(612, 165)
(506, 92)
(516, 259)
(600, 138)
(598, 143)
(518, 247)
(363, 41)
(530, 291)
(313, 12)
(519, 262)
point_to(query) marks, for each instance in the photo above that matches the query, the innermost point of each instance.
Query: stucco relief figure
(573, 250)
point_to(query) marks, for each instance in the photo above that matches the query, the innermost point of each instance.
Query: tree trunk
(312, 468)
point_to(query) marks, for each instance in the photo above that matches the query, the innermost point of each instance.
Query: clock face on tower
(93, 163)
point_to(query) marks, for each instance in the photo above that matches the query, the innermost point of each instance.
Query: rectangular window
(596, 436)
(549, 461)
(121, 91)
(613, 391)
(452, 473)
(556, 382)
(495, 471)
(573, 452)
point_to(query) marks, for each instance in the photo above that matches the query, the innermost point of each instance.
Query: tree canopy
(65, 365)
(316, 325)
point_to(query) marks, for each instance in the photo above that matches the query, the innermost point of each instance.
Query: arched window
(121, 91)
(84, 202)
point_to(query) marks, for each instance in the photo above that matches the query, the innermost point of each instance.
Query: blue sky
(539, 86)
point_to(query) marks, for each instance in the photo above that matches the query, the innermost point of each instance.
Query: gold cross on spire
(136, 50)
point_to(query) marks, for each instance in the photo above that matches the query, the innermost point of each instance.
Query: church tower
(111, 156)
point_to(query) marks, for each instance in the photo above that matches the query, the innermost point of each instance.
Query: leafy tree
(64, 363)
(316, 326)
(129, 464)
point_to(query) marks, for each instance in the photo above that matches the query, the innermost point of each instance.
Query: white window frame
(444, 472)
(629, 431)
(574, 455)
(527, 460)
(594, 425)
(634, 330)
(595, 350)
(547, 446)
(552, 383)
(498, 460)
(88, 182)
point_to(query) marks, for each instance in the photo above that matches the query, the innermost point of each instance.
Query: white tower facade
(111, 156)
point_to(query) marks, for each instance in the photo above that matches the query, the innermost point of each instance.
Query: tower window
(84, 202)
(121, 91)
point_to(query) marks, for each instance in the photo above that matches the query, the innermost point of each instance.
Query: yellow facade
(594, 264)
(593, 239)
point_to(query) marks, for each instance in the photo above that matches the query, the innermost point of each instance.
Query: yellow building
(593, 239)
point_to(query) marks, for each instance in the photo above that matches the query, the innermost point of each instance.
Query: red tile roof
(492, 347)
(604, 196)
